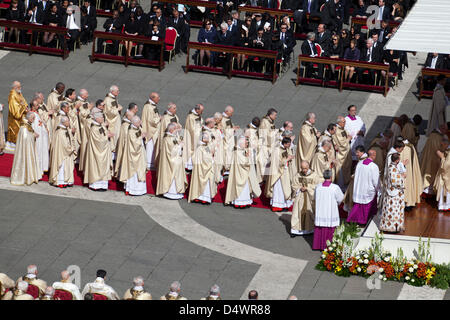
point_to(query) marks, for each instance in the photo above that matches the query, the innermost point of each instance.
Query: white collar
(327, 133)
(133, 126)
(214, 297)
(252, 125)
(169, 113)
(364, 156)
(126, 120)
(31, 276)
(111, 95)
(225, 115)
(173, 294)
(170, 134)
(62, 126)
(61, 112)
(309, 123)
(81, 99)
(321, 149)
(202, 143)
(95, 122)
(138, 288)
(152, 102)
(194, 112)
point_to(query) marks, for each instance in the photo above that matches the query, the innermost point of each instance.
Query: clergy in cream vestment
(227, 128)
(150, 123)
(172, 181)
(303, 186)
(56, 96)
(341, 140)
(63, 156)
(42, 141)
(134, 163)
(203, 187)
(307, 140)
(98, 162)
(112, 114)
(192, 130)
(442, 181)
(126, 122)
(137, 292)
(169, 116)
(429, 162)
(25, 169)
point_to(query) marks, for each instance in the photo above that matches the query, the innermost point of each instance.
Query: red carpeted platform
(6, 162)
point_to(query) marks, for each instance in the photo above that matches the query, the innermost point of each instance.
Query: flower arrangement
(417, 272)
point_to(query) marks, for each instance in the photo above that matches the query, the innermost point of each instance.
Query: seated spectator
(360, 11)
(336, 51)
(68, 21)
(178, 22)
(224, 37)
(63, 7)
(309, 48)
(398, 12)
(323, 38)
(14, 14)
(351, 53)
(207, 34)
(92, 14)
(233, 29)
(86, 27)
(261, 41)
(153, 52)
(345, 39)
(286, 20)
(369, 54)
(390, 57)
(113, 24)
(244, 42)
(132, 29)
(288, 43)
(383, 32)
(54, 19)
(257, 22)
(383, 11)
(34, 14)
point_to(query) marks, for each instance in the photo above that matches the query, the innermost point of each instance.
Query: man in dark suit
(323, 38)
(433, 61)
(310, 7)
(271, 4)
(369, 54)
(257, 22)
(331, 15)
(113, 24)
(177, 22)
(383, 32)
(287, 43)
(43, 6)
(262, 40)
(34, 14)
(384, 12)
(25, 5)
(309, 48)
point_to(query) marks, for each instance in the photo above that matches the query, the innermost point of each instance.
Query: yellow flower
(338, 268)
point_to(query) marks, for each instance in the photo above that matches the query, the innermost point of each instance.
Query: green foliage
(442, 278)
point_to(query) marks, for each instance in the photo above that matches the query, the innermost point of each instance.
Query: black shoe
(293, 235)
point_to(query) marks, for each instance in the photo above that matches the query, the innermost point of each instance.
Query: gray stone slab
(9, 256)
(389, 291)
(330, 283)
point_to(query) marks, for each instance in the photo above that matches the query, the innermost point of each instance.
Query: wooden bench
(126, 60)
(431, 73)
(342, 63)
(31, 29)
(232, 50)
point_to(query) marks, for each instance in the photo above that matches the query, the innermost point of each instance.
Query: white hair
(135, 121)
(224, 25)
(138, 281)
(63, 119)
(113, 88)
(175, 286)
(310, 115)
(215, 290)
(171, 126)
(340, 119)
(22, 285)
(32, 268)
(171, 105)
(97, 115)
(325, 143)
(82, 91)
(29, 116)
(15, 84)
(50, 291)
(206, 136)
(218, 115)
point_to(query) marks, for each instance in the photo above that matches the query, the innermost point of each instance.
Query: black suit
(181, 26)
(383, 35)
(254, 27)
(330, 15)
(386, 15)
(310, 49)
(287, 45)
(265, 43)
(38, 16)
(439, 62)
(110, 25)
(92, 14)
(374, 55)
(271, 4)
(324, 40)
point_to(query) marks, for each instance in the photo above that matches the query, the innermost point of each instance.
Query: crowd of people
(31, 287)
(107, 142)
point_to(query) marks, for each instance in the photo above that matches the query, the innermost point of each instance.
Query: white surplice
(135, 187)
(244, 198)
(149, 147)
(353, 126)
(366, 183)
(42, 146)
(172, 193)
(327, 202)
(278, 200)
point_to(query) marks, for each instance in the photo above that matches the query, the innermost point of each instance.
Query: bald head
(304, 166)
(65, 275)
(229, 110)
(15, 85)
(154, 96)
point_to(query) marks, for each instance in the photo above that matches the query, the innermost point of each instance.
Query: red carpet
(6, 162)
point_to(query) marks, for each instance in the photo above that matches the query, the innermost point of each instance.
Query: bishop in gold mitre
(442, 181)
(203, 187)
(25, 169)
(98, 162)
(278, 185)
(63, 156)
(134, 163)
(303, 186)
(17, 110)
(341, 140)
(172, 180)
(137, 292)
(56, 96)
(112, 114)
(307, 140)
(150, 123)
(242, 184)
(429, 162)
(192, 130)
